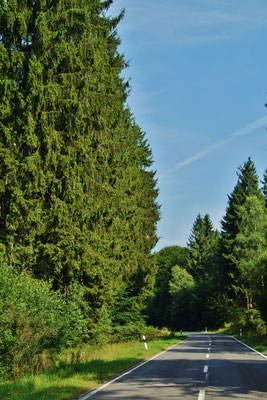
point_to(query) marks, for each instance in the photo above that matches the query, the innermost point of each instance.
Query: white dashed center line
(206, 369)
(201, 395)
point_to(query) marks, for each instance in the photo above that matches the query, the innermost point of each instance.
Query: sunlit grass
(80, 370)
(256, 341)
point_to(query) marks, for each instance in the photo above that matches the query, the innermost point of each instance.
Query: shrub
(34, 323)
(249, 321)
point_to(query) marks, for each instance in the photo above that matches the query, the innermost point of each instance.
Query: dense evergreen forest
(79, 206)
(77, 193)
(220, 277)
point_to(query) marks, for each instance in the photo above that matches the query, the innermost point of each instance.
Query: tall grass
(80, 370)
(254, 340)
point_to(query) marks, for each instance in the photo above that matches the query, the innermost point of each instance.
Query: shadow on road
(234, 372)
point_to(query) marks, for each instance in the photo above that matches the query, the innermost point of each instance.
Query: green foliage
(247, 185)
(190, 295)
(264, 187)
(250, 242)
(181, 280)
(250, 321)
(222, 277)
(35, 323)
(89, 367)
(127, 321)
(181, 287)
(158, 304)
(77, 195)
(101, 328)
(202, 246)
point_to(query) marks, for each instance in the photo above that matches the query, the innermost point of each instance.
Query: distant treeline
(77, 194)
(220, 277)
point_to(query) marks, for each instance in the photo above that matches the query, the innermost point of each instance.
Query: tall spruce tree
(249, 252)
(201, 244)
(264, 187)
(208, 303)
(78, 201)
(247, 185)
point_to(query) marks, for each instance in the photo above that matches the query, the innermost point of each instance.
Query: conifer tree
(264, 187)
(249, 251)
(247, 185)
(201, 246)
(78, 201)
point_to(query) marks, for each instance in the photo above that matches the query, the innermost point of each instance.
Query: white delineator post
(240, 333)
(145, 343)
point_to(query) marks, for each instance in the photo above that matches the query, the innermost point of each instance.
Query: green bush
(34, 323)
(254, 322)
(152, 333)
(126, 317)
(249, 321)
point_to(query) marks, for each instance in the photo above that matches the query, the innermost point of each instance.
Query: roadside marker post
(145, 343)
(240, 333)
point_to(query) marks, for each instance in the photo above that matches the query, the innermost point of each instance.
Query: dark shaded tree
(201, 245)
(158, 305)
(208, 304)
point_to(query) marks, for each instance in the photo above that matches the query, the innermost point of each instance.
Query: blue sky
(198, 72)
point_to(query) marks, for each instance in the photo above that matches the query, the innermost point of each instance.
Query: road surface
(203, 367)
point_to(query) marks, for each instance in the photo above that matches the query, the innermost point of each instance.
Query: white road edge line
(92, 392)
(249, 347)
(201, 395)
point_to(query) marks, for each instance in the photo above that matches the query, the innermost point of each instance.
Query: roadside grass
(80, 370)
(256, 341)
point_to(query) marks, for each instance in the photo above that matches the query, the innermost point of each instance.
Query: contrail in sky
(251, 127)
(243, 131)
(200, 154)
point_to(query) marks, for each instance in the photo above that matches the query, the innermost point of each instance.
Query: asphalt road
(203, 367)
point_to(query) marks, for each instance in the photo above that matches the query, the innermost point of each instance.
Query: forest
(78, 200)
(219, 277)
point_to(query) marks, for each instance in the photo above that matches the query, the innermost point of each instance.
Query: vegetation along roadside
(82, 369)
(257, 341)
